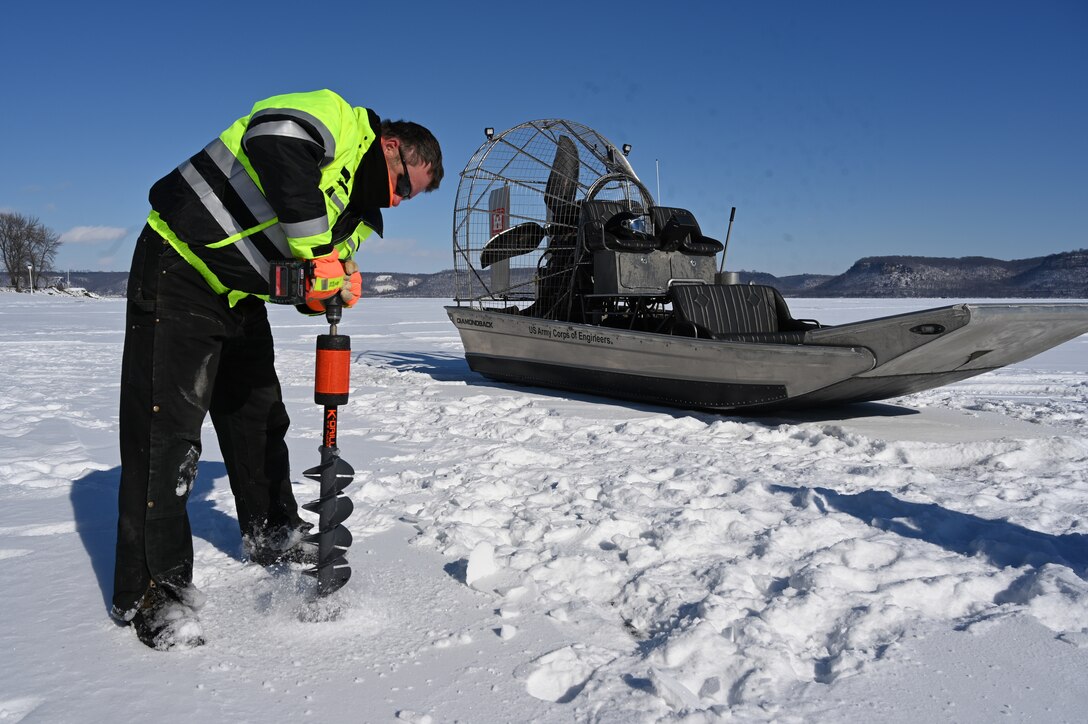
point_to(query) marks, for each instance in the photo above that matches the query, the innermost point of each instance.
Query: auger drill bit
(331, 390)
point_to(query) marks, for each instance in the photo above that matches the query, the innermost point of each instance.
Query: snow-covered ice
(529, 555)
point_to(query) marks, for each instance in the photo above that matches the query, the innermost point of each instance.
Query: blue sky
(837, 129)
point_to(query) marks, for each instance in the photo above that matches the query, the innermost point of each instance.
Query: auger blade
(338, 556)
(341, 537)
(335, 582)
(334, 470)
(339, 560)
(330, 576)
(344, 506)
(339, 513)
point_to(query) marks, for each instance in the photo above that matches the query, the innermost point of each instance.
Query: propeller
(519, 240)
(559, 194)
(563, 183)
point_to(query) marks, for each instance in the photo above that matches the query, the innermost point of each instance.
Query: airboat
(570, 276)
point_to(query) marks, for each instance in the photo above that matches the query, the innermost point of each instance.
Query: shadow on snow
(94, 509)
(440, 367)
(999, 542)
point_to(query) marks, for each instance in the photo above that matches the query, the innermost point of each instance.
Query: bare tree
(44, 243)
(13, 245)
(25, 241)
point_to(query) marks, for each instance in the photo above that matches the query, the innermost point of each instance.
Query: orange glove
(329, 279)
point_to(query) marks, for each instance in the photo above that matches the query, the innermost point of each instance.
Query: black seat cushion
(603, 226)
(752, 313)
(677, 230)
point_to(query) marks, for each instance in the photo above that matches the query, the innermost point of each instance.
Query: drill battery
(287, 280)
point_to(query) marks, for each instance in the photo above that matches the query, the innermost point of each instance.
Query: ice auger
(331, 390)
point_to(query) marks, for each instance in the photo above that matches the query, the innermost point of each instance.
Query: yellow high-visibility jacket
(297, 177)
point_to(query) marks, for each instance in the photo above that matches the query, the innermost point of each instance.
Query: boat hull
(869, 360)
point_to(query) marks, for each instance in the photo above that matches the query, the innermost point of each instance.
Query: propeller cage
(516, 230)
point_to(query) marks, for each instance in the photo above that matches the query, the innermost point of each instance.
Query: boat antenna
(657, 170)
(725, 249)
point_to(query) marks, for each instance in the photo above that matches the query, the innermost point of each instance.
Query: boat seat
(677, 230)
(628, 261)
(737, 312)
(606, 225)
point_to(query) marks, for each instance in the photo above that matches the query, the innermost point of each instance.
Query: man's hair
(420, 147)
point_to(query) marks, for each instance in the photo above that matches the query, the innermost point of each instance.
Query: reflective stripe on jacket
(275, 185)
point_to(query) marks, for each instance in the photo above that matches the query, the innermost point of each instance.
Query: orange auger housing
(333, 370)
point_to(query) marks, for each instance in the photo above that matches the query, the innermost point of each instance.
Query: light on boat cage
(489, 132)
(626, 149)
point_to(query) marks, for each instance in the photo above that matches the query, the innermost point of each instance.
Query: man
(303, 176)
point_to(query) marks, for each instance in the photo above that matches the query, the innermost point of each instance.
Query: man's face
(419, 175)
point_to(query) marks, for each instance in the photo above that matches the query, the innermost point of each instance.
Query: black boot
(167, 620)
(281, 545)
